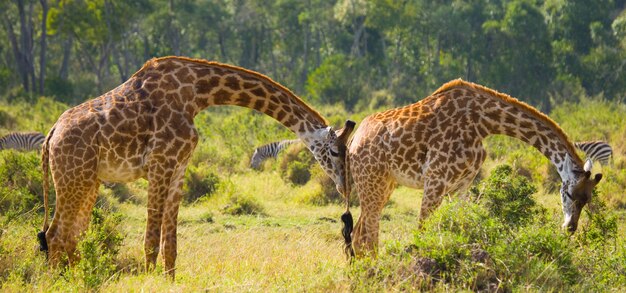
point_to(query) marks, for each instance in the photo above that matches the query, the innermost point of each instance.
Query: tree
(520, 53)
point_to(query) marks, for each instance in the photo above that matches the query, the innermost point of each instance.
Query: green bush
(506, 196)
(98, 249)
(325, 191)
(200, 181)
(498, 242)
(601, 226)
(61, 89)
(7, 120)
(295, 165)
(239, 204)
(243, 205)
(21, 186)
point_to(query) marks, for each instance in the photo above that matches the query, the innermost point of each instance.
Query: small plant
(207, 217)
(20, 181)
(200, 181)
(243, 205)
(507, 196)
(601, 226)
(296, 164)
(98, 249)
(239, 204)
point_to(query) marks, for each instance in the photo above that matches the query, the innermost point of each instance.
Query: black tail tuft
(43, 244)
(348, 224)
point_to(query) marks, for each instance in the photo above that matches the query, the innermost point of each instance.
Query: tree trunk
(359, 29)
(468, 73)
(19, 60)
(29, 50)
(67, 50)
(42, 53)
(305, 57)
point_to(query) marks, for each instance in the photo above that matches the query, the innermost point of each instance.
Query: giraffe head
(329, 149)
(576, 192)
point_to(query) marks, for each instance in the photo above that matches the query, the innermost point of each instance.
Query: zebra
(269, 150)
(22, 141)
(596, 151)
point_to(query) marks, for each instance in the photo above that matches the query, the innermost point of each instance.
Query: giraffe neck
(496, 113)
(202, 84)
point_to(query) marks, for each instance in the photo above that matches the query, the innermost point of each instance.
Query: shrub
(7, 120)
(122, 193)
(601, 226)
(500, 242)
(98, 249)
(506, 196)
(239, 204)
(200, 181)
(61, 89)
(296, 164)
(243, 205)
(21, 186)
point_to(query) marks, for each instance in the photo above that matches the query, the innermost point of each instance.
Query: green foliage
(239, 204)
(295, 165)
(61, 89)
(7, 120)
(122, 193)
(507, 196)
(98, 249)
(334, 82)
(21, 187)
(601, 227)
(200, 181)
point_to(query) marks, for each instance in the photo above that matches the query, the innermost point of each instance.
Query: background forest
(278, 229)
(352, 52)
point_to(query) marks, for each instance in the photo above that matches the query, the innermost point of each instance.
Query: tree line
(359, 53)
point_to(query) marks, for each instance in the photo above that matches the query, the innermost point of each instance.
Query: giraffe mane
(260, 76)
(520, 105)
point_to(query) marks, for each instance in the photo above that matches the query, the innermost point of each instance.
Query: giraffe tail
(348, 224)
(346, 218)
(45, 166)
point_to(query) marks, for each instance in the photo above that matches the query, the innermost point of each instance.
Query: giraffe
(435, 145)
(144, 128)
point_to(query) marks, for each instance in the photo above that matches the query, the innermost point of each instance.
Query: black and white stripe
(269, 150)
(22, 141)
(598, 151)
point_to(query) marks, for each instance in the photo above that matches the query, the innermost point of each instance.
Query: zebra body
(22, 141)
(269, 150)
(598, 151)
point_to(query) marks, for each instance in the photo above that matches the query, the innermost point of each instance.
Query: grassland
(281, 241)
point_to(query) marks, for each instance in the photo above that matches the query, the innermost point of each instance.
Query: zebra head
(255, 161)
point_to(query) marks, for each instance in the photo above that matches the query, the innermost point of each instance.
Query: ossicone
(345, 132)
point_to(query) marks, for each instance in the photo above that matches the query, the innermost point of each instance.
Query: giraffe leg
(157, 191)
(438, 181)
(373, 196)
(71, 218)
(434, 190)
(170, 222)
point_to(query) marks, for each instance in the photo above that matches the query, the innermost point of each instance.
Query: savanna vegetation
(278, 229)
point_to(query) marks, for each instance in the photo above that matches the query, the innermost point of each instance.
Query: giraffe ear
(598, 177)
(588, 165)
(345, 132)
